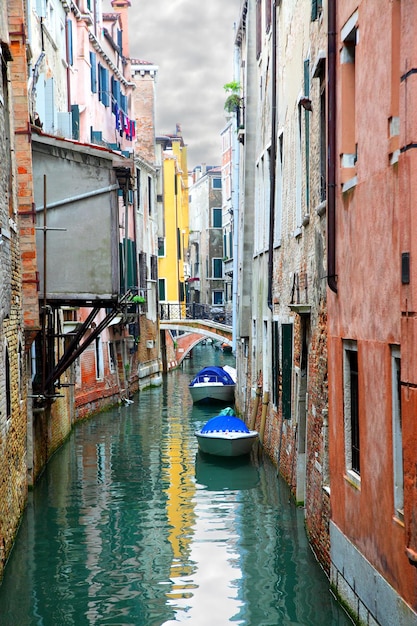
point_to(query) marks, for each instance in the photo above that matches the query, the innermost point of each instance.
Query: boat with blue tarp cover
(214, 383)
(226, 435)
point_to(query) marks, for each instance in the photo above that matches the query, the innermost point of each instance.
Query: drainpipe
(67, 51)
(272, 163)
(331, 147)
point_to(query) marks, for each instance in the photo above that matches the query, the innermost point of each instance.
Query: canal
(130, 526)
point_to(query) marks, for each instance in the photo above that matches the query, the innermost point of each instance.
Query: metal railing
(195, 311)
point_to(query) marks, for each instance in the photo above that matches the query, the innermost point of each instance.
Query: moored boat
(226, 435)
(214, 383)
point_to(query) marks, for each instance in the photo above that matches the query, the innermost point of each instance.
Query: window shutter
(93, 63)
(49, 125)
(161, 288)
(41, 8)
(75, 110)
(314, 10)
(70, 48)
(105, 93)
(286, 331)
(123, 103)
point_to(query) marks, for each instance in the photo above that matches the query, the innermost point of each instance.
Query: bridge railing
(195, 311)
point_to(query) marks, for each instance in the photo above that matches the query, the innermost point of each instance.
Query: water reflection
(225, 474)
(131, 526)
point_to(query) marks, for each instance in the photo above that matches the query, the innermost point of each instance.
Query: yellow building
(173, 227)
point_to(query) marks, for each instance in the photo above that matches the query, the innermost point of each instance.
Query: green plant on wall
(233, 99)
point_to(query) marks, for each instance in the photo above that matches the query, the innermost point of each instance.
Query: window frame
(216, 264)
(397, 438)
(351, 412)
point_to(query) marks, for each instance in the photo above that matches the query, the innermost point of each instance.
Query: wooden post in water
(265, 402)
(255, 407)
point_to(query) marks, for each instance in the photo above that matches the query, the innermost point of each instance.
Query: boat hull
(226, 444)
(213, 392)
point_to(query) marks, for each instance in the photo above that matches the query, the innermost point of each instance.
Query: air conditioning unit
(149, 343)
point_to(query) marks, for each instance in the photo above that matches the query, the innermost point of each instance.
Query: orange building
(372, 78)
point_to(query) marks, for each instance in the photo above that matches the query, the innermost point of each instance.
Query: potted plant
(234, 99)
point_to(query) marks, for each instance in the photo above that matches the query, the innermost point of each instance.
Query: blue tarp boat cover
(225, 423)
(213, 373)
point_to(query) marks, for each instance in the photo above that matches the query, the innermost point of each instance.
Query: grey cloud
(192, 44)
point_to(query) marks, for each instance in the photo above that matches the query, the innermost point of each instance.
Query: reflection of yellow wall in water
(180, 461)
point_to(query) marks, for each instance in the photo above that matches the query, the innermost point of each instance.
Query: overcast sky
(192, 43)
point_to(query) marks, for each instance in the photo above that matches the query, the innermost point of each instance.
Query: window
(116, 93)
(216, 183)
(268, 15)
(351, 409)
(150, 195)
(93, 72)
(287, 367)
(154, 267)
(161, 246)
(103, 85)
(397, 438)
(217, 268)
(143, 270)
(319, 72)
(323, 141)
(217, 218)
(348, 94)
(99, 358)
(298, 174)
(162, 289)
(217, 297)
(275, 362)
(258, 28)
(41, 8)
(138, 189)
(307, 135)
(70, 45)
(278, 191)
(112, 357)
(316, 9)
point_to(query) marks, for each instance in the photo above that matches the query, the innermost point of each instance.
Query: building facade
(325, 303)
(207, 286)
(15, 196)
(281, 327)
(173, 223)
(371, 347)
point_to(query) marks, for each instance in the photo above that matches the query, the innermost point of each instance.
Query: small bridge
(200, 320)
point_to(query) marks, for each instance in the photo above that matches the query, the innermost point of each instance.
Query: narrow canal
(130, 526)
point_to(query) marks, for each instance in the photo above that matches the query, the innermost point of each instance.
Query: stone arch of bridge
(202, 327)
(196, 331)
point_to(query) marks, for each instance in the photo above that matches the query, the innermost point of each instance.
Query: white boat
(214, 383)
(226, 435)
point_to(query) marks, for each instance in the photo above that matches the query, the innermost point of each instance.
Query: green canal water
(130, 525)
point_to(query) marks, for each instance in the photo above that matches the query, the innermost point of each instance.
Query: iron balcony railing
(195, 311)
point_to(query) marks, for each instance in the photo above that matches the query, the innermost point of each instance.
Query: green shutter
(314, 10)
(275, 362)
(161, 288)
(75, 110)
(93, 71)
(286, 330)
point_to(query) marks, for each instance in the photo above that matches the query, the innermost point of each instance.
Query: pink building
(371, 307)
